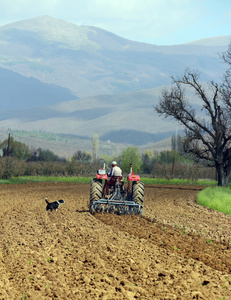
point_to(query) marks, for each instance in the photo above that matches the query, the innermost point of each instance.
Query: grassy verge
(178, 181)
(217, 198)
(25, 179)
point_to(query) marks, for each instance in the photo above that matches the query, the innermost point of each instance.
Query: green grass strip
(26, 179)
(78, 179)
(217, 198)
(176, 181)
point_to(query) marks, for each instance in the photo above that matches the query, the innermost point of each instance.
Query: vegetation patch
(26, 179)
(83, 179)
(176, 181)
(217, 198)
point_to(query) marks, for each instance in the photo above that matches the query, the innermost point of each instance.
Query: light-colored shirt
(115, 171)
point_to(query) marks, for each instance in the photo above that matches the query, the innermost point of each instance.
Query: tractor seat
(114, 178)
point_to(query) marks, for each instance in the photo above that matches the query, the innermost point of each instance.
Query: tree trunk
(219, 176)
(225, 180)
(173, 166)
(222, 176)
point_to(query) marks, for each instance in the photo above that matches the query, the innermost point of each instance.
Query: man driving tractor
(115, 172)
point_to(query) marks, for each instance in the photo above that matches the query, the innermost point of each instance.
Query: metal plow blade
(119, 207)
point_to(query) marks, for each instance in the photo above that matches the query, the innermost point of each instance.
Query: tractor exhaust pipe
(130, 173)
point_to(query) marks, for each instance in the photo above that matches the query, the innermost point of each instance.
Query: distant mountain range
(59, 77)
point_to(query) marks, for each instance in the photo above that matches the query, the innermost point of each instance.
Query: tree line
(19, 160)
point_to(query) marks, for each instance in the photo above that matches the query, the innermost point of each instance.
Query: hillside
(19, 92)
(90, 61)
(65, 145)
(120, 118)
(67, 79)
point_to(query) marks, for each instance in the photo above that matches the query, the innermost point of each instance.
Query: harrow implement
(119, 207)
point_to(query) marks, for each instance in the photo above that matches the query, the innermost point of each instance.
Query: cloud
(146, 19)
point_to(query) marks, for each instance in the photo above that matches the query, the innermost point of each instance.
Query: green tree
(167, 157)
(106, 158)
(82, 156)
(147, 162)
(46, 155)
(16, 149)
(132, 156)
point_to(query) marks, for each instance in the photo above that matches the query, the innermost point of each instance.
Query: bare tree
(226, 84)
(207, 136)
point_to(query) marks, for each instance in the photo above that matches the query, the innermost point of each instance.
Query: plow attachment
(119, 207)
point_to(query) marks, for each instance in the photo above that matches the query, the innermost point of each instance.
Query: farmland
(179, 250)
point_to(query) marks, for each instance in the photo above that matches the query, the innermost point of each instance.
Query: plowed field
(178, 250)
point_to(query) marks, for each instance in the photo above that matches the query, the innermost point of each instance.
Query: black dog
(53, 205)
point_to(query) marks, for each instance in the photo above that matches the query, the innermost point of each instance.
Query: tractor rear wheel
(138, 192)
(96, 190)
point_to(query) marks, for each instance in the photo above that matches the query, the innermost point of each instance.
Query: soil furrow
(212, 253)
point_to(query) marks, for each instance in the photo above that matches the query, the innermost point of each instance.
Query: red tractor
(120, 199)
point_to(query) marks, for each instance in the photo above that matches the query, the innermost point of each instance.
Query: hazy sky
(161, 22)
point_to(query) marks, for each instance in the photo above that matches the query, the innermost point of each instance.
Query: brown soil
(178, 250)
